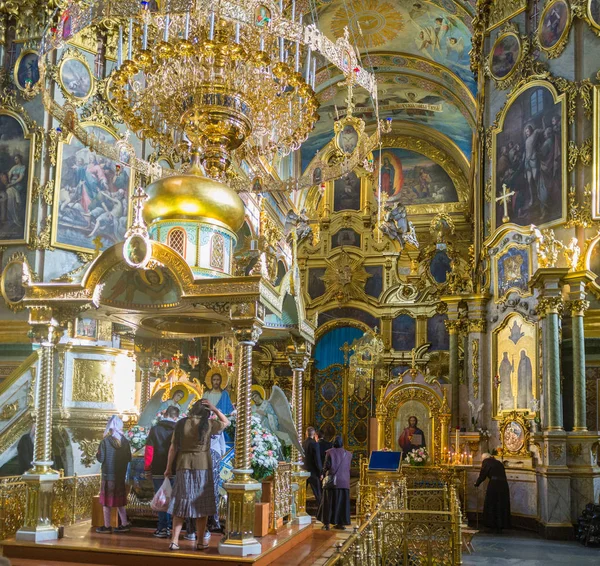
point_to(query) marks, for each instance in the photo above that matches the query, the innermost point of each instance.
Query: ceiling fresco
(420, 53)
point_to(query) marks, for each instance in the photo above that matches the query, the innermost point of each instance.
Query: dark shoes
(104, 530)
(123, 528)
(161, 533)
(325, 528)
(339, 528)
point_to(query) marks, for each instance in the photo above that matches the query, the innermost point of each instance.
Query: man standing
(323, 444)
(313, 463)
(496, 507)
(155, 461)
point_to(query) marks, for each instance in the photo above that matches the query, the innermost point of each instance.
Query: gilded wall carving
(93, 381)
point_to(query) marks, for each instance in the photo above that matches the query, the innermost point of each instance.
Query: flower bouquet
(137, 436)
(417, 457)
(264, 447)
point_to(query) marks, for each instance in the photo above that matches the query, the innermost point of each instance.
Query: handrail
(18, 371)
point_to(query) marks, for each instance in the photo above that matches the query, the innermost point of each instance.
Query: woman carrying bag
(335, 505)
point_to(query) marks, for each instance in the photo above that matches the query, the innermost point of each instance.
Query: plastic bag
(162, 498)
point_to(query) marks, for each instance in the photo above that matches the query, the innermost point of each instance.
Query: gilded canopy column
(299, 356)
(239, 540)
(578, 304)
(453, 327)
(38, 526)
(144, 365)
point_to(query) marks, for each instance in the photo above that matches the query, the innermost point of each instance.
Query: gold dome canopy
(192, 196)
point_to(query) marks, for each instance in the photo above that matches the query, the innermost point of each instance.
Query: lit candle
(297, 62)
(237, 32)
(166, 33)
(130, 39)
(308, 55)
(187, 25)
(145, 36)
(262, 43)
(293, 10)
(211, 33)
(281, 49)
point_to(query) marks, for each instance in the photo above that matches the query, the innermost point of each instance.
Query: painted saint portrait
(12, 282)
(27, 72)
(506, 54)
(440, 266)
(514, 436)
(516, 369)
(93, 196)
(345, 237)
(554, 22)
(15, 179)
(86, 328)
(317, 176)
(513, 271)
(136, 250)
(404, 328)
(75, 77)
(437, 333)
(412, 426)
(316, 285)
(346, 192)
(529, 158)
(262, 16)
(347, 139)
(141, 287)
(374, 284)
(412, 178)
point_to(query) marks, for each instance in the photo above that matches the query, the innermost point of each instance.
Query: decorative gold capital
(550, 305)
(477, 325)
(298, 352)
(456, 326)
(248, 334)
(578, 307)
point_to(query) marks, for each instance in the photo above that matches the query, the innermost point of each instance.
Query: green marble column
(552, 307)
(578, 308)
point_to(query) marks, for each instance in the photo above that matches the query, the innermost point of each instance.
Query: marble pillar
(299, 356)
(239, 539)
(38, 525)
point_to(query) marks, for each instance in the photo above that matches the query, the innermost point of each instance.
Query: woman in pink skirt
(114, 453)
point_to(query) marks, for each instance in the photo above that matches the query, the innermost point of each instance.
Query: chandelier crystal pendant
(210, 77)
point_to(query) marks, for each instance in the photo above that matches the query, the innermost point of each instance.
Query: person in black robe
(25, 452)
(324, 445)
(312, 462)
(496, 507)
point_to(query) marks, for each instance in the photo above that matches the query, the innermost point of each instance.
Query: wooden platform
(82, 545)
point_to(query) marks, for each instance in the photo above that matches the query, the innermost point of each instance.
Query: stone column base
(584, 470)
(241, 499)
(38, 525)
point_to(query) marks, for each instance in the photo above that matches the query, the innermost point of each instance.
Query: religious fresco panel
(374, 284)
(412, 178)
(437, 333)
(345, 237)
(404, 332)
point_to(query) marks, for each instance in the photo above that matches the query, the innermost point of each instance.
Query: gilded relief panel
(93, 381)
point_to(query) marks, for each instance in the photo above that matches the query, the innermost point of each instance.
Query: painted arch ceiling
(419, 51)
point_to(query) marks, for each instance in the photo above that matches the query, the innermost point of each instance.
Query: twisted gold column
(299, 356)
(38, 525)
(145, 385)
(241, 491)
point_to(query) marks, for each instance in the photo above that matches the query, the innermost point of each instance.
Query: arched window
(176, 240)
(217, 252)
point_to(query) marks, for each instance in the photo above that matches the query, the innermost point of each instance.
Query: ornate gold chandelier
(209, 76)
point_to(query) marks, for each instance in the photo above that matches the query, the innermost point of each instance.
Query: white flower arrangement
(137, 436)
(417, 457)
(264, 447)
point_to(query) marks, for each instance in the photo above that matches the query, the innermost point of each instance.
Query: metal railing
(412, 526)
(72, 501)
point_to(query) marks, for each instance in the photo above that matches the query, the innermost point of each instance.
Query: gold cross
(504, 199)
(346, 349)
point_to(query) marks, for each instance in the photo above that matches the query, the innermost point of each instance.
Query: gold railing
(73, 498)
(72, 501)
(412, 526)
(282, 493)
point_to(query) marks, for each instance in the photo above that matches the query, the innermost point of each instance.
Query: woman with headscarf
(114, 453)
(496, 507)
(194, 494)
(335, 503)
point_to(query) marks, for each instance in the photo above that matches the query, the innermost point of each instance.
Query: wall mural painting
(27, 73)
(404, 332)
(93, 196)
(412, 178)
(594, 12)
(345, 237)
(513, 269)
(437, 333)
(346, 192)
(16, 175)
(515, 358)
(530, 157)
